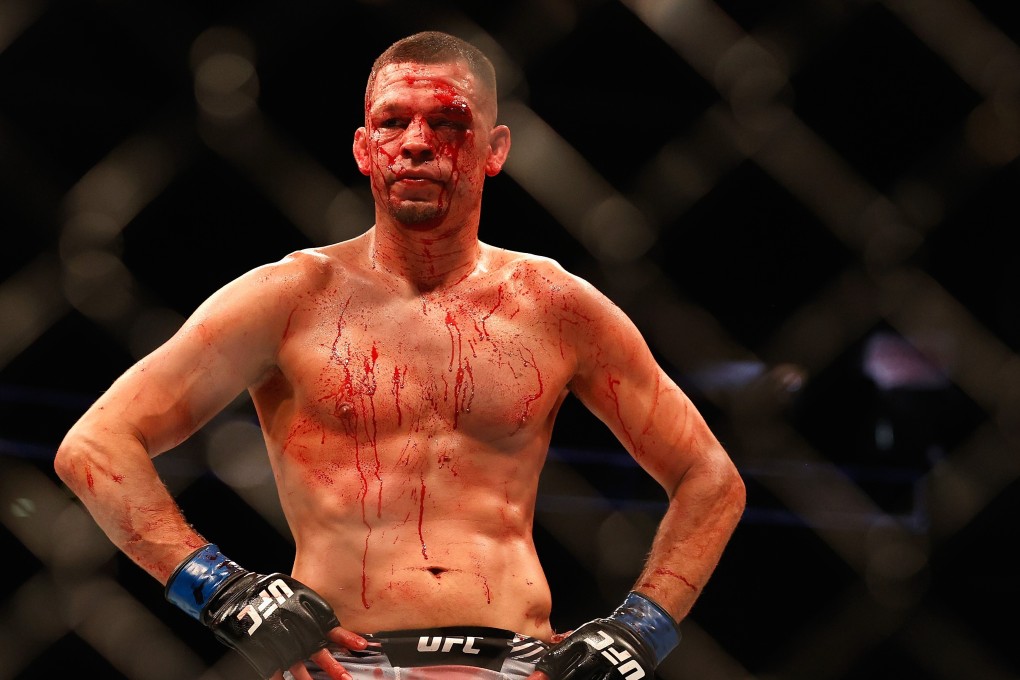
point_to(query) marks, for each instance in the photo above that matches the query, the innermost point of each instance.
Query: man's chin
(418, 215)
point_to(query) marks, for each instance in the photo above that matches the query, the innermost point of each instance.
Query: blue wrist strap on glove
(198, 577)
(650, 622)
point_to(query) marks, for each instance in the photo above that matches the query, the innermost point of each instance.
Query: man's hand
(628, 645)
(599, 650)
(274, 621)
(342, 638)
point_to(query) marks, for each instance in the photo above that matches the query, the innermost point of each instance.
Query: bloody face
(425, 141)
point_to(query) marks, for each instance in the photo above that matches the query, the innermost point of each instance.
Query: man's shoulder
(518, 263)
(532, 269)
(307, 268)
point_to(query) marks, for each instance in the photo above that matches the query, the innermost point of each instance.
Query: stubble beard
(414, 213)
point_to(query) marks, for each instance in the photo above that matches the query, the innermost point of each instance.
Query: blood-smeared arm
(227, 345)
(620, 381)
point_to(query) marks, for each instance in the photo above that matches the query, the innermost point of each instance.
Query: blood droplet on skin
(89, 479)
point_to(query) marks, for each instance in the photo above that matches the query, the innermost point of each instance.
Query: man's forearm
(702, 515)
(115, 480)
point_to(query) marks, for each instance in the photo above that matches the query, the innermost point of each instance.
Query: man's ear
(360, 149)
(499, 147)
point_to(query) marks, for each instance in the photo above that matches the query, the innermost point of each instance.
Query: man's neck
(427, 259)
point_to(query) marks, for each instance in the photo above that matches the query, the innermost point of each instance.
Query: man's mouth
(416, 187)
(415, 177)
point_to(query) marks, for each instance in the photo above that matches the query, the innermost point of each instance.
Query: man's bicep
(648, 413)
(165, 397)
(620, 382)
(224, 347)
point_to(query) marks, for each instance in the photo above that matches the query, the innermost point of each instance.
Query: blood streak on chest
(351, 384)
(398, 384)
(421, 515)
(483, 331)
(464, 384)
(531, 398)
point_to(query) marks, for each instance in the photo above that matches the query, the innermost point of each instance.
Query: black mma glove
(272, 620)
(629, 645)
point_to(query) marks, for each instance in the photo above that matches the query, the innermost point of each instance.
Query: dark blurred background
(807, 207)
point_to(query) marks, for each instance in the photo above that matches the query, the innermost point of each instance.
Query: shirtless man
(406, 382)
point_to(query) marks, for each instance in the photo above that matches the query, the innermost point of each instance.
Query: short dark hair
(435, 47)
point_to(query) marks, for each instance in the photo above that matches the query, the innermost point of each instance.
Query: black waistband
(477, 646)
(440, 631)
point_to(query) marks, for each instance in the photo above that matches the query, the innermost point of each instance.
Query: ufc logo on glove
(277, 594)
(631, 670)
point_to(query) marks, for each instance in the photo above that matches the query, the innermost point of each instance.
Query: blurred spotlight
(15, 17)
(896, 570)
(87, 227)
(98, 284)
(226, 84)
(128, 635)
(624, 539)
(920, 203)
(22, 507)
(617, 231)
(347, 212)
(993, 131)
(113, 192)
(753, 388)
(32, 624)
(892, 362)
(237, 455)
(751, 78)
(82, 547)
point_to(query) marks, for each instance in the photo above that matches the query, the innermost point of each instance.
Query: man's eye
(393, 123)
(446, 124)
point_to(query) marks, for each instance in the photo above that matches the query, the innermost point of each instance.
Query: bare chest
(485, 365)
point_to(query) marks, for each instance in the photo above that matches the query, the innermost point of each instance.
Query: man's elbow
(721, 485)
(735, 489)
(81, 454)
(70, 458)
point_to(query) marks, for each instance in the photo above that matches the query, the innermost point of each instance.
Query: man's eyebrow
(395, 106)
(385, 106)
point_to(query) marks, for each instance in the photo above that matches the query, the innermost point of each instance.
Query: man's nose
(419, 140)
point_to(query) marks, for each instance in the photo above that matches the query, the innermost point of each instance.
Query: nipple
(345, 411)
